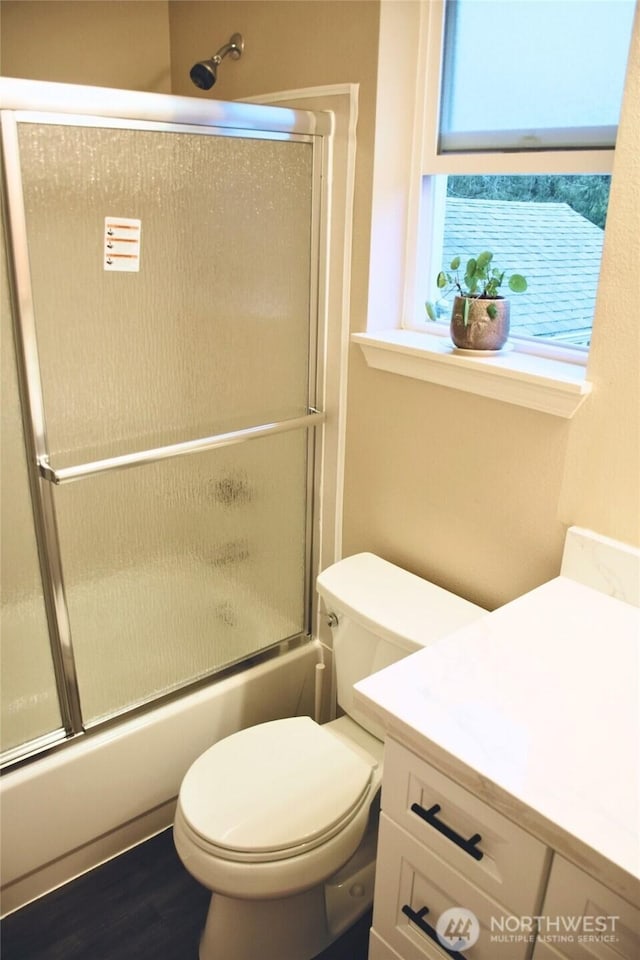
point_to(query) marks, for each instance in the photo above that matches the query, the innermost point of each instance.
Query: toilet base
(292, 928)
(298, 927)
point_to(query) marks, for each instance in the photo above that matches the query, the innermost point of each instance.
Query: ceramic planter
(480, 332)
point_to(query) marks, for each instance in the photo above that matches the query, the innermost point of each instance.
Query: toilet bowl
(279, 820)
(274, 809)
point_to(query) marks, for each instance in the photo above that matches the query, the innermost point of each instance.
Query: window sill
(547, 384)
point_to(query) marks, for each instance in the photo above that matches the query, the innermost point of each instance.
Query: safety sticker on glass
(122, 244)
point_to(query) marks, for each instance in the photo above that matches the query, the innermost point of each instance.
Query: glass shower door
(29, 697)
(204, 567)
(192, 319)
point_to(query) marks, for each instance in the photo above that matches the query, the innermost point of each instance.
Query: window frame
(424, 207)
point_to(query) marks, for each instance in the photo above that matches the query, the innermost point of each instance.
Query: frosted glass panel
(132, 360)
(523, 75)
(179, 568)
(28, 689)
(176, 569)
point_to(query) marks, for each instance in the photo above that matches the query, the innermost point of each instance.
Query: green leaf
(441, 280)
(484, 259)
(517, 283)
(455, 263)
(492, 311)
(465, 311)
(471, 267)
(430, 310)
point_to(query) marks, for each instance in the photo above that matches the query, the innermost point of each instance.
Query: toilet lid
(273, 787)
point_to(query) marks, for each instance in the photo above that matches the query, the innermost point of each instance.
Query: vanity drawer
(506, 861)
(601, 924)
(414, 887)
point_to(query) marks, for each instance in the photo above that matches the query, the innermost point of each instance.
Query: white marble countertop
(535, 709)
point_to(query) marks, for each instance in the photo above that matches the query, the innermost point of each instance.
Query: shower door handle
(67, 474)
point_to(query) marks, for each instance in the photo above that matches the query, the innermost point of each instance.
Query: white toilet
(279, 820)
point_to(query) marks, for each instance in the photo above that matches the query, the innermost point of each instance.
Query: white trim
(419, 243)
(69, 98)
(523, 344)
(398, 123)
(567, 138)
(528, 161)
(432, 28)
(548, 385)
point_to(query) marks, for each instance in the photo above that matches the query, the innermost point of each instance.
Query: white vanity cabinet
(515, 738)
(584, 920)
(438, 847)
(490, 851)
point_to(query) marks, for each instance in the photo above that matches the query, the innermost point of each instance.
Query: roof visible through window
(556, 248)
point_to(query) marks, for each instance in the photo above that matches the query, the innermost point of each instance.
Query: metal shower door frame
(23, 102)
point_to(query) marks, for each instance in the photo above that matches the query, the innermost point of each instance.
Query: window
(548, 227)
(520, 126)
(523, 74)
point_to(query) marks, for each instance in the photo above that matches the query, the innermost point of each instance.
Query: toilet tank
(381, 613)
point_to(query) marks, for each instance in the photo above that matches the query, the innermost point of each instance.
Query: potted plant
(480, 315)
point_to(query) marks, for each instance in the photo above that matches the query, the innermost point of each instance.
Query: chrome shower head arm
(233, 48)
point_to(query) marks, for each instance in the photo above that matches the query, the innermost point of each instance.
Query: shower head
(205, 73)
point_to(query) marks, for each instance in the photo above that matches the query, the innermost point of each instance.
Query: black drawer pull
(421, 923)
(469, 846)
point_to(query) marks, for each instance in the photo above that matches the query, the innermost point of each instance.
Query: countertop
(535, 709)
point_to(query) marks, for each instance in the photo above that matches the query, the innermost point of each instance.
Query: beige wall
(471, 492)
(104, 43)
(287, 44)
(601, 486)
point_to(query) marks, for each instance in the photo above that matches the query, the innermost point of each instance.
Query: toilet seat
(273, 791)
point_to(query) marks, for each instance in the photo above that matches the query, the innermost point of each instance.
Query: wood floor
(141, 906)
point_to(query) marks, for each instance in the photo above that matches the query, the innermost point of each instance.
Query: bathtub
(92, 799)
